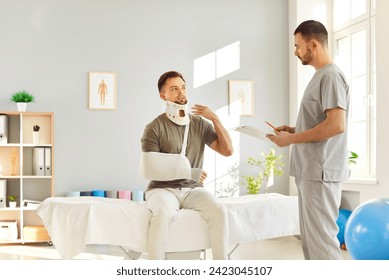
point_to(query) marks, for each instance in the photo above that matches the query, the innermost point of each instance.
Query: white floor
(285, 248)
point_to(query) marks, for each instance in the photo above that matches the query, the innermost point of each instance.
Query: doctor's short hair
(170, 74)
(312, 29)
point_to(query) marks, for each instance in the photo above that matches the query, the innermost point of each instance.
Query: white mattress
(74, 222)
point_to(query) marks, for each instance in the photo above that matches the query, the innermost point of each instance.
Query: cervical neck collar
(177, 113)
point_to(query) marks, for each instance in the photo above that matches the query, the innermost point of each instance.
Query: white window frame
(367, 22)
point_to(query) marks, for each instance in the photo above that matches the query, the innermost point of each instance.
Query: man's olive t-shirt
(164, 136)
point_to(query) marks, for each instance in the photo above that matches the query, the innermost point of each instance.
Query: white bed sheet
(74, 222)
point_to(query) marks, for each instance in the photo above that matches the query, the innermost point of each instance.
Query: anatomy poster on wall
(102, 91)
(241, 98)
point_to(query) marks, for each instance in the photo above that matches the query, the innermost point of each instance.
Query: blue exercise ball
(343, 216)
(367, 231)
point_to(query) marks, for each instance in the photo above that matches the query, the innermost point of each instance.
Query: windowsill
(362, 181)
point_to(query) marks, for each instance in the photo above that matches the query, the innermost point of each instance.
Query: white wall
(48, 48)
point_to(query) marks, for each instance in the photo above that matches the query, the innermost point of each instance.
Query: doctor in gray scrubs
(319, 159)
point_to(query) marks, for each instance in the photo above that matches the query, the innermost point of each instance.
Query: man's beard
(181, 101)
(307, 58)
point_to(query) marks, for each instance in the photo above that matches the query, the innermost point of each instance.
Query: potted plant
(21, 98)
(12, 201)
(270, 166)
(352, 159)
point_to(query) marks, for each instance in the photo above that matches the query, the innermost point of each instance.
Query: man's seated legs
(164, 206)
(213, 212)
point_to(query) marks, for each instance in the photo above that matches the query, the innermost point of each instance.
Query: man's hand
(223, 143)
(204, 111)
(281, 138)
(285, 128)
(203, 176)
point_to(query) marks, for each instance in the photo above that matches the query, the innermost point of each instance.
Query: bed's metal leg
(204, 254)
(130, 254)
(236, 246)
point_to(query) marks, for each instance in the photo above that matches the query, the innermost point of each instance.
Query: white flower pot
(12, 204)
(22, 106)
(35, 137)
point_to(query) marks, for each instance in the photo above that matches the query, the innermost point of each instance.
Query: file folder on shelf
(3, 193)
(41, 161)
(38, 161)
(47, 162)
(3, 129)
(31, 204)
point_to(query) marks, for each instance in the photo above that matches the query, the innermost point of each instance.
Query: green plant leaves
(272, 164)
(22, 96)
(352, 159)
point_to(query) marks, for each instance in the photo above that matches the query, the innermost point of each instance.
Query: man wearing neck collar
(172, 147)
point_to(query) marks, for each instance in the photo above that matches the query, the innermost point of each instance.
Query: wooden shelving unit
(16, 160)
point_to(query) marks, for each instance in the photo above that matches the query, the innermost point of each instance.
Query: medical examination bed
(74, 222)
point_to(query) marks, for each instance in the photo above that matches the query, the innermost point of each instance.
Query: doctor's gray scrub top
(326, 160)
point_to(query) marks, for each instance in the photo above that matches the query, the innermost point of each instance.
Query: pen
(272, 126)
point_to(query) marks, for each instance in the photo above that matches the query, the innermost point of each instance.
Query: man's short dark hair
(312, 29)
(171, 74)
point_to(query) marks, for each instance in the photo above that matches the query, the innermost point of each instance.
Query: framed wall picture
(241, 97)
(102, 91)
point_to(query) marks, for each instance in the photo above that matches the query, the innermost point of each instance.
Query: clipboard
(252, 131)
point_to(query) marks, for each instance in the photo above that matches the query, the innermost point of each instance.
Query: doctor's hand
(204, 111)
(280, 138)
(285, 128)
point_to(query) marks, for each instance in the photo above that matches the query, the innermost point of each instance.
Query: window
(354, 49)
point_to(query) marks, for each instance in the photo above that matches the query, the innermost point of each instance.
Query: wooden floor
(285, 248)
